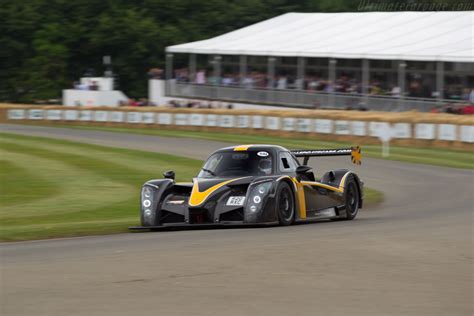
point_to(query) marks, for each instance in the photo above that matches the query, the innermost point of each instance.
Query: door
(319, 196)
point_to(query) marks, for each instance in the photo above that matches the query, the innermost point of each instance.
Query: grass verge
(431, 156)
(372, 197)
(54, 188)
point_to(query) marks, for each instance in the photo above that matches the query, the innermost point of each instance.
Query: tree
(45, 45)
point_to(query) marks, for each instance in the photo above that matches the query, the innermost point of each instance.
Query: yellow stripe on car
(339, 189)
(301, 199)
(241, 147)
(197, 197)
(299, 196)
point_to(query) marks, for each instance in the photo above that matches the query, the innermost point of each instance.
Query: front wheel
(285, 204)
(351, 198)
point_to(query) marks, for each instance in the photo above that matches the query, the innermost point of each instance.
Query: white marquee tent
(424, 36)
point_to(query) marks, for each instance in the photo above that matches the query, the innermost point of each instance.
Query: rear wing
(354, 152)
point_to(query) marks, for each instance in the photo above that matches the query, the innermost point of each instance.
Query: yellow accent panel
(301, 200)
(343, 181)
(198, 197)
(300, 197)
(241, 147)
(322, 185)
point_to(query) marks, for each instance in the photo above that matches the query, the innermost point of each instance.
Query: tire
(352, 199)
(285, 204)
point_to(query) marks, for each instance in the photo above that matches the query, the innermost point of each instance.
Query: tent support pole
(168, 72)
(243, 75)
(271, 72)
(217, 69)
(401, 81)
(217, 74)
(365, 80)
(271, 78)
(440, 80)
(192, 68)
(332, 80)
(242, 69)
(301, 72)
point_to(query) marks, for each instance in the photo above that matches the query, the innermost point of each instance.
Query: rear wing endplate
(354, 152)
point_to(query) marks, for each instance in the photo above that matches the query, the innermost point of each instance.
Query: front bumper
(202, 225)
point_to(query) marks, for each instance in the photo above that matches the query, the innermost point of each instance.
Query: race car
(254, 185)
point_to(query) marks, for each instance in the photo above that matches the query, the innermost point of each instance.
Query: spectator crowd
(343, 84)
(93, 86)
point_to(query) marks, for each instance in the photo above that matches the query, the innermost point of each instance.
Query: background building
(375, 60)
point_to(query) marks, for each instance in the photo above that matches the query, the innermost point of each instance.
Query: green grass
(10, 171)
(54, 188)
(372, 197)
(432, 156)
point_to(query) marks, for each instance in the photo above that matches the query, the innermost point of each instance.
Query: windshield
(229, 164)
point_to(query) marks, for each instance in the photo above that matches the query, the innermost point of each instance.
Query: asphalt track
(412, 255)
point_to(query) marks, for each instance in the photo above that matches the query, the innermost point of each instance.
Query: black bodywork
(205, 201)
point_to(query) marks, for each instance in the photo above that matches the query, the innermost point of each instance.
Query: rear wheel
(285, 204)
(351, 193)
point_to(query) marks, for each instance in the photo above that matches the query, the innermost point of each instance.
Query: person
(282, 83)
(94, 86)
(314, 83)
(265, 167)
(414, 89)
(375, 88)
(201, 77)
(132, 102)
(396, 91)
(465, 93)
(468, 109)
(247, 82)
(155, 73)
(227, 80)
(329, 87)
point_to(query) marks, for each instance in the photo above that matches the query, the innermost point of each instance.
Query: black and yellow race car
(254, 184)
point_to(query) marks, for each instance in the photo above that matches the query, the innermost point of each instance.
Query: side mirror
(301, 170)
(169, 174)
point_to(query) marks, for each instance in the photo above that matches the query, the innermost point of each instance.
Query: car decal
(197, 197)
(300, 196)
(339, 189)
(241, 147)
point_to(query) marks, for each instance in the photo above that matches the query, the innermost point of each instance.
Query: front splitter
(201, 225)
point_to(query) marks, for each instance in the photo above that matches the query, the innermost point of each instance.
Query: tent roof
(425, 36)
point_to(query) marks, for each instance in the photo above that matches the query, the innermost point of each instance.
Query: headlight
(147, 196)
(256, 196)
(146, 203)
(147, 192)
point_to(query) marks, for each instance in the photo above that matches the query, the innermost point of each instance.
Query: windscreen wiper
(211, 172)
